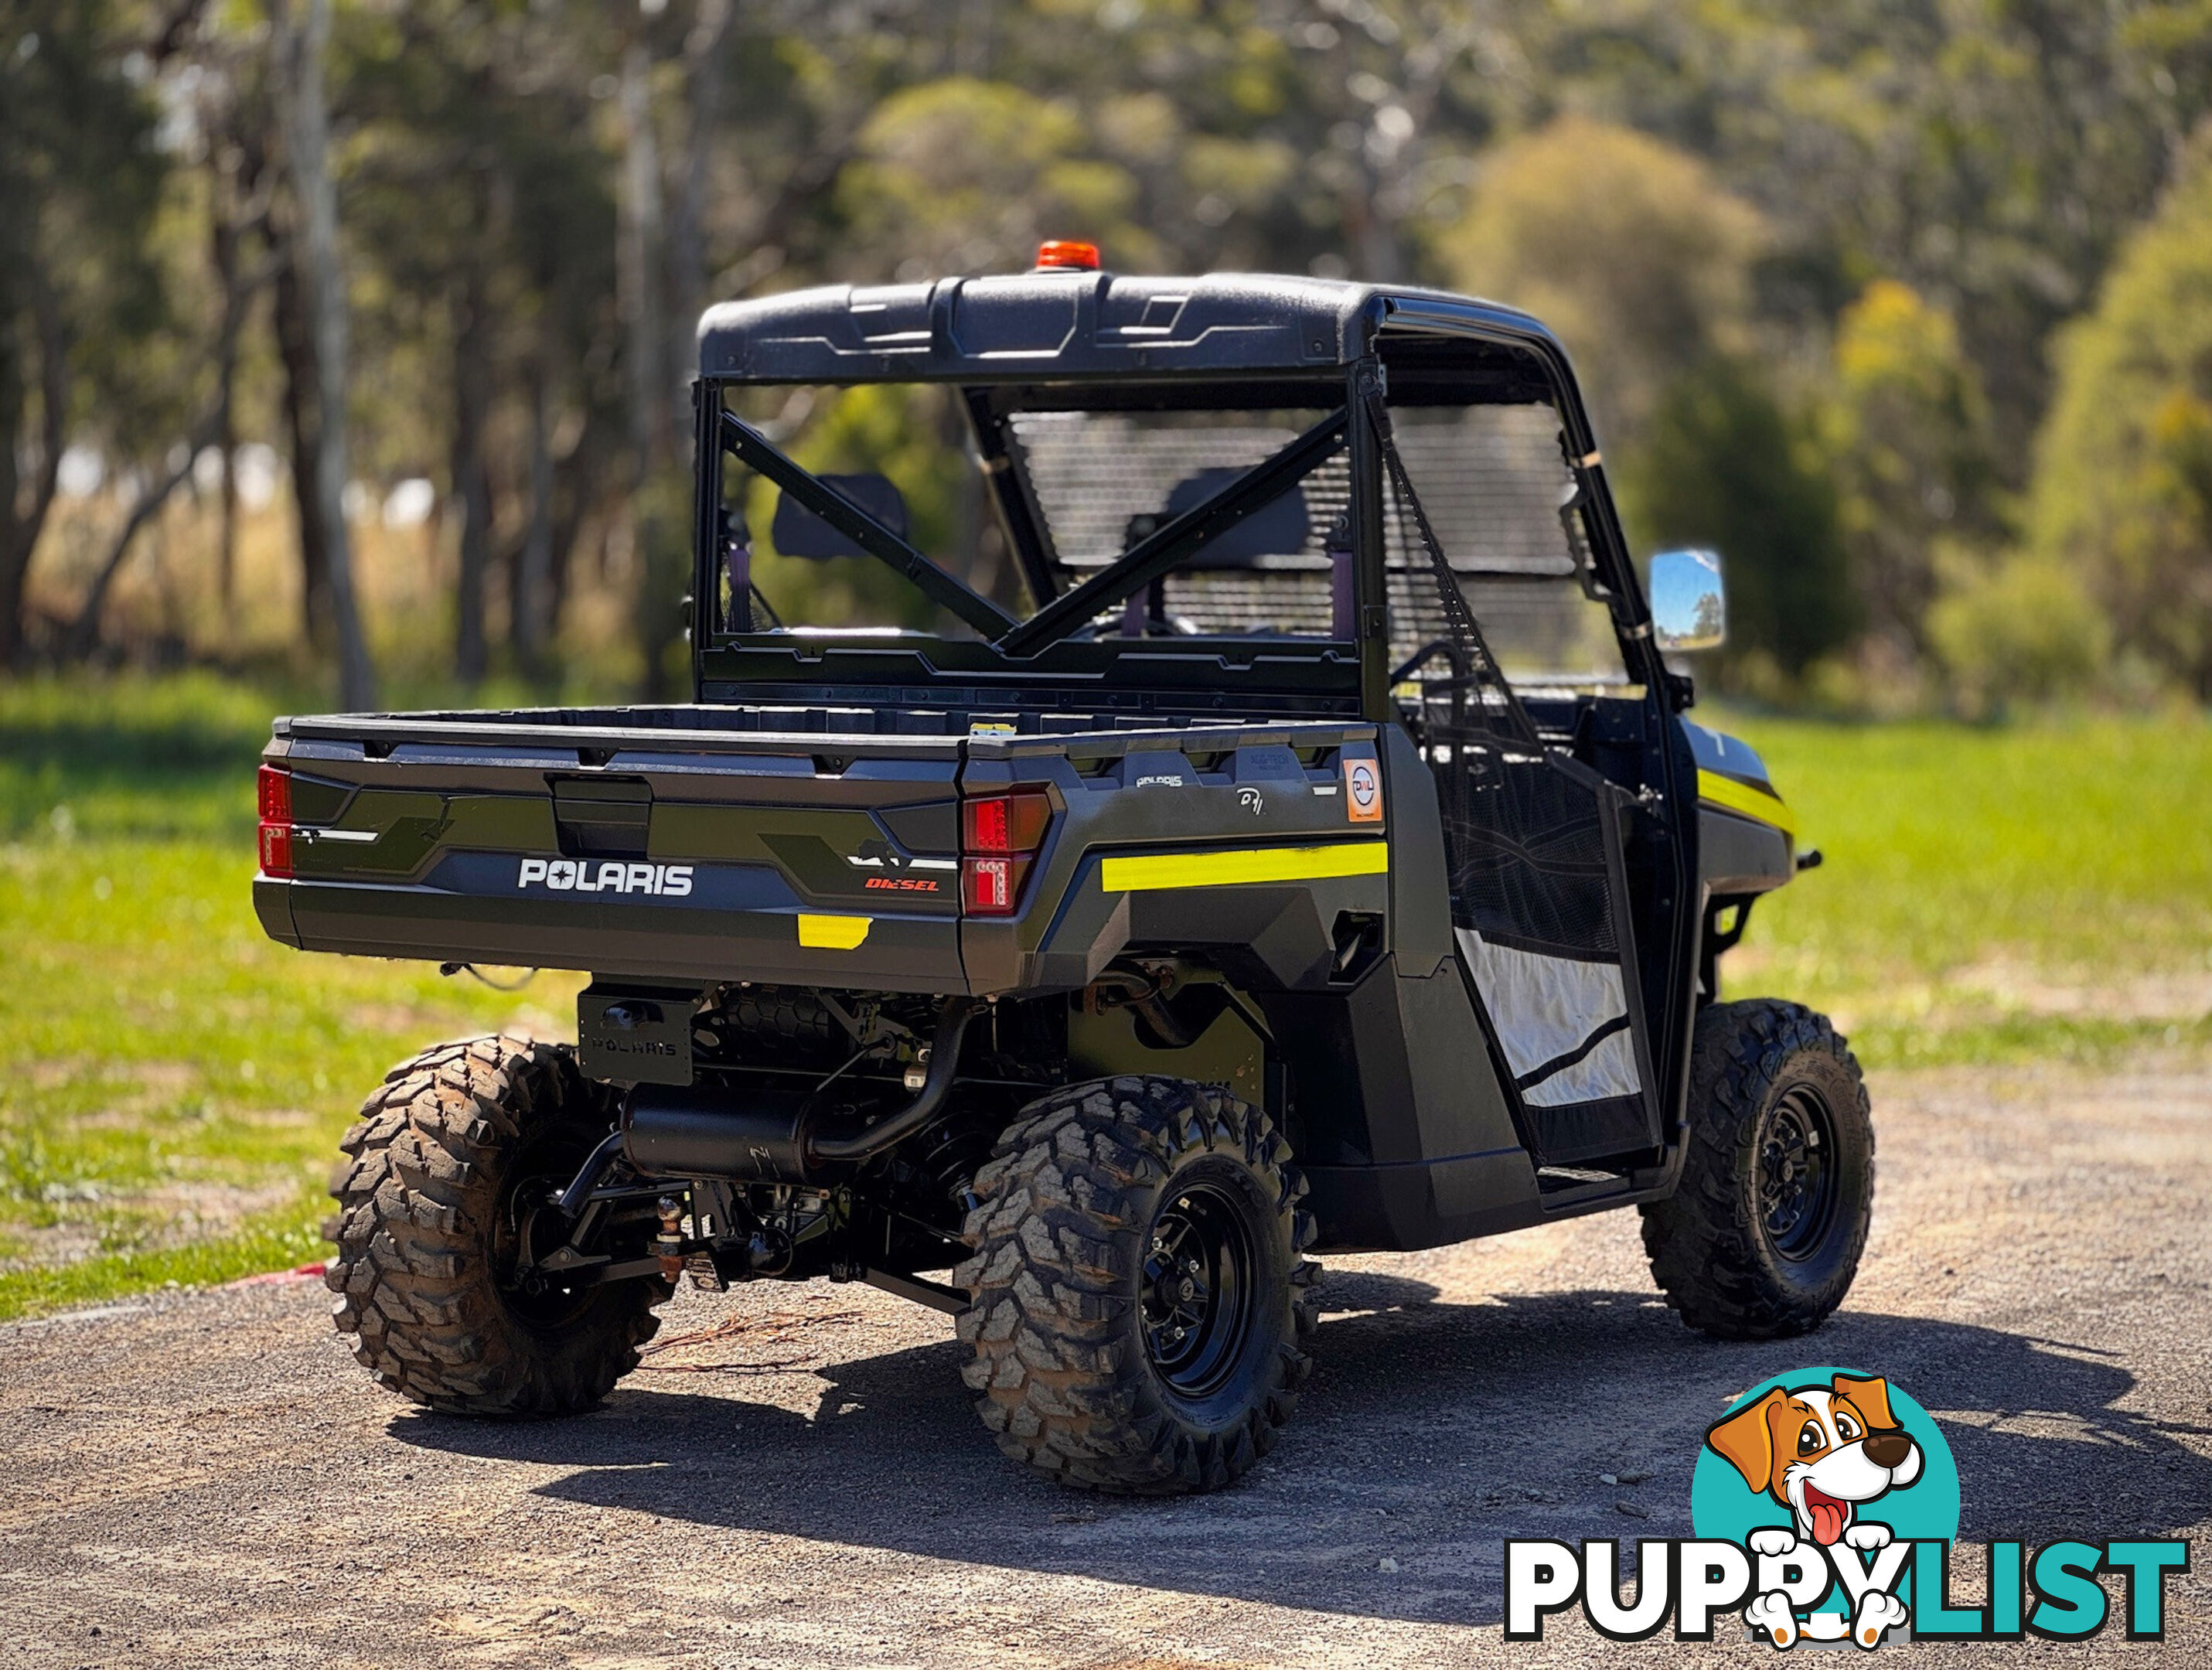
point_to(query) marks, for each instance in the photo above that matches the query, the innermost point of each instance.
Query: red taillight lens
(275, 788)
(992, 886)
(275, 792)
(1000, 834)
(1005, 823)
(276, 849)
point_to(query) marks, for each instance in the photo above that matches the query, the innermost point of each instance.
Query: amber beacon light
(1066, 255)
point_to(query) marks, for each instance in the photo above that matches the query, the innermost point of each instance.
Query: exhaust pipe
(944, 1063)
(692, 1132)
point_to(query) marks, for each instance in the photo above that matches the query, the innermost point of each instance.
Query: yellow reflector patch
(1244, 866)
(1736, 797)
(833, 934)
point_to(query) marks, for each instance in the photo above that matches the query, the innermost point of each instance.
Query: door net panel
(1537, 894)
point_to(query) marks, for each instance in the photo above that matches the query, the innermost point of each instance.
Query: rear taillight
(1000, 836)
(988, 887)
(275, 789)
(1005, 823)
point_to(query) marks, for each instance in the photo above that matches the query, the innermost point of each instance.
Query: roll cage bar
(1147, 560)
(1360, 424)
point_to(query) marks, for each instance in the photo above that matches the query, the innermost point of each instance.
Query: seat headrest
(1280, 527)
(797, 532)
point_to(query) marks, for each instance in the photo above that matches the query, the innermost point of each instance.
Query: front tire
(1762, 1236)
(1139, 1305)
(434, 1192)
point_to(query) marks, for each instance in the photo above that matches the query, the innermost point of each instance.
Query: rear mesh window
(1492, 479)
(1094, 473)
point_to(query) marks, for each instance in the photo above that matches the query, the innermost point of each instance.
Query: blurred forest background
(344, 347)
(345, 342)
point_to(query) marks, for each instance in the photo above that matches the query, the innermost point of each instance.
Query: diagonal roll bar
(757, 452)
(1153, 556)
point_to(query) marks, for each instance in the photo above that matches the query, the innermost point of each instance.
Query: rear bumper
(272, 904)
(656, 939)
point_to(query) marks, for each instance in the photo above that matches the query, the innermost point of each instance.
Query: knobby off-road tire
(1761, 1238)
(1095, 1363)
(446, 1155)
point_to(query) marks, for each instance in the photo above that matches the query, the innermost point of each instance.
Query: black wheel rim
(1798, 1180)
(526, 1219)
(1200, 1270)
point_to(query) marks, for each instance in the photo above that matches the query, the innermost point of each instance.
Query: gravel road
(206, 1479)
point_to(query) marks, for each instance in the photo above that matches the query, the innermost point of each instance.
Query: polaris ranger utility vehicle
(1256, 821)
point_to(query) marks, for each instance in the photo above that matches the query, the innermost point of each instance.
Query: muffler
(698, 1132)
(772, 1136)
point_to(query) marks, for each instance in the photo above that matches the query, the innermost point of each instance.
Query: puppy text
(2053, 1593)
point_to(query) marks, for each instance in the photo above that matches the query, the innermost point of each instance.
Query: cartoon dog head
(1819, 1451)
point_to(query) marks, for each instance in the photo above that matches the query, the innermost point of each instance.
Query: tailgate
(687, 855)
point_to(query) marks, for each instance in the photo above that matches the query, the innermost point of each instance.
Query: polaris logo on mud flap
(662, 880)
(611, 1044)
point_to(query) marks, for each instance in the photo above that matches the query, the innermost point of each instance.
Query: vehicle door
(1510, 658)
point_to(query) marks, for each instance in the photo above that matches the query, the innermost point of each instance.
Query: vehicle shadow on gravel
(1431, 1431)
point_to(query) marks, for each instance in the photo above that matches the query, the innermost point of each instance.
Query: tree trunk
(225, 437)
(686, 236)
(213, 426)
(14, 559)
(576, 487)
(641, 274)
(302, 402)
(471, 474)
(530, 625)
(306, 131)
(84, 632)
(19, 535)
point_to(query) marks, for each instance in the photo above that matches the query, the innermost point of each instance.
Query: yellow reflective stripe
(1244, 866)
(833, 934)
(1751, 802)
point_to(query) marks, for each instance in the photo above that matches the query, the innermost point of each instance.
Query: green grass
(173, 1083)
(161, 1061)
(1992, 894)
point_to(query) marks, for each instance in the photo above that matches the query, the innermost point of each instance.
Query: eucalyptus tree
(80, 295)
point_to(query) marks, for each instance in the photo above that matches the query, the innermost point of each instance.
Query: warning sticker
(1363, 792)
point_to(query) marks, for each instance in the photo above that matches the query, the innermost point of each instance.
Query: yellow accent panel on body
(1244, 867)
(833, 934)
(1727, 793)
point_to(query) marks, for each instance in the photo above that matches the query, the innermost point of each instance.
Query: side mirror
(1689, 606)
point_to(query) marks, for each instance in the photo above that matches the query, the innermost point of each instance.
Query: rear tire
(1140, 1307)
(1762, 1236)
(446, 1155)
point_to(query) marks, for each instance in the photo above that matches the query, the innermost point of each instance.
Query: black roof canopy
(1027, 327)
